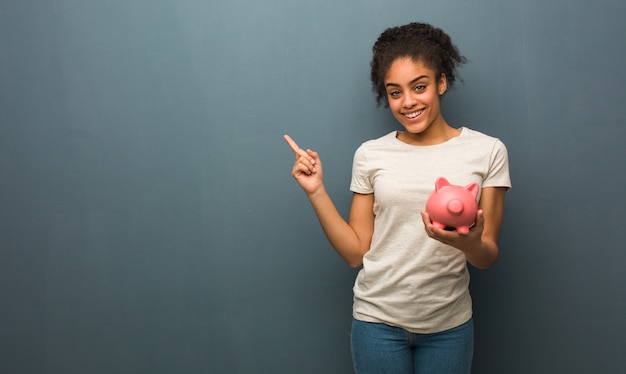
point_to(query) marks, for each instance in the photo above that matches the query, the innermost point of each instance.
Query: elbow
(483, 266)
(484, 256)
(354, 258)
(485, 262)
(354, 261)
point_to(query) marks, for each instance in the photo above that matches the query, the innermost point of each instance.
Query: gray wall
(149, 223)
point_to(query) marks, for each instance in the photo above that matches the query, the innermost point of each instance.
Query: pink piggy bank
(451, 206)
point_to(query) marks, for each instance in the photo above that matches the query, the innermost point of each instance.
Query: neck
(436, 133)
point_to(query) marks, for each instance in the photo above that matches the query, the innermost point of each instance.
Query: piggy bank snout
(455, 207)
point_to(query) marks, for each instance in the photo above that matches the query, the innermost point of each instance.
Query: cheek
(434, 99)
(395, 108)
(393, 104)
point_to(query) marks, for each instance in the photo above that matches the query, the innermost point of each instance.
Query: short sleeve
(498, 173)
(361, 176)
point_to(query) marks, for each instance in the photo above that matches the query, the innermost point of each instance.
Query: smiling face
(413, 93)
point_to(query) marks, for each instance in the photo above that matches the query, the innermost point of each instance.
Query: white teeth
(413, 115)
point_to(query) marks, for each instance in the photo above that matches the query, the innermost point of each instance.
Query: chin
(415, 128)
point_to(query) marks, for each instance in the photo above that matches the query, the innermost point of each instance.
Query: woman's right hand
(307, 169)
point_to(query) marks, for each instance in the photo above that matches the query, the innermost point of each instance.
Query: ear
(441, 182)
(442, 85)
(473, 188)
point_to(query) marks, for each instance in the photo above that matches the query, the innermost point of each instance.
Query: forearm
(483, 254)
(342, 237)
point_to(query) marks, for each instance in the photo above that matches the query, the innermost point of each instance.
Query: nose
(409, 101)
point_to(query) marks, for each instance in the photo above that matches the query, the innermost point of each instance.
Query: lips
(413, 115)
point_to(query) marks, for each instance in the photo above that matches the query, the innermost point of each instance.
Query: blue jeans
(378, 348)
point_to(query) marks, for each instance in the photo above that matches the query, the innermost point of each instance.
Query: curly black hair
(420, 42)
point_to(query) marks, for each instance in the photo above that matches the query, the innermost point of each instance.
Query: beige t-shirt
(408, 279)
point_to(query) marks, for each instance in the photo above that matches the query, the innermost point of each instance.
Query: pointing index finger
(294, 147)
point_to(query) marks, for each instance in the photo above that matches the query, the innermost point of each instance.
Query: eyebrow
(410, 83)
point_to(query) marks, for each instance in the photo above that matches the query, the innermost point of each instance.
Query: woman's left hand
(454, 238)
(480, 245)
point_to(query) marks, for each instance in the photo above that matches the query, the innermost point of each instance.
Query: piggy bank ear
(441, 182)
(473, 188)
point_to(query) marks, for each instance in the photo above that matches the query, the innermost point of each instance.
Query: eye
(419, 88)
(394, 93)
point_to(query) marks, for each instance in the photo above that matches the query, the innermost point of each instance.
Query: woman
(412, 308)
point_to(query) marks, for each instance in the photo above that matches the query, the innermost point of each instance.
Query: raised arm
(350, 239)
